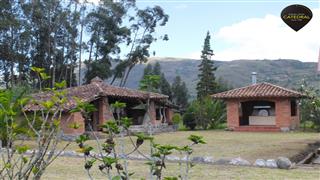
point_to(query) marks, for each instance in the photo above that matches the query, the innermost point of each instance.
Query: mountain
(237, 73)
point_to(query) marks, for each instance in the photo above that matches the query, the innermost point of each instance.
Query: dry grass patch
(248, 145)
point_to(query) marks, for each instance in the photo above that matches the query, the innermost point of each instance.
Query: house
(261, 107)
(102, 95)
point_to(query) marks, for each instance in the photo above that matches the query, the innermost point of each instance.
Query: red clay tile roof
(97, 88)
(261, 90)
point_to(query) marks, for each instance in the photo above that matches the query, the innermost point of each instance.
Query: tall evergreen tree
(164, 86)
(207, 84)
(156, 69)
(148, 70)
(179, 92)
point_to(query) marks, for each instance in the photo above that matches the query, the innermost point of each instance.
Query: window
(293, 108)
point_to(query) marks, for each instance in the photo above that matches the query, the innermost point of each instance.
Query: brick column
(169, 115)
(233, 113)
(68, 119)
(283, 113)
(152, 112)
(105, 112)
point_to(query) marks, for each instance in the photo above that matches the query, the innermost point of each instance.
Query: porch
(257, 113)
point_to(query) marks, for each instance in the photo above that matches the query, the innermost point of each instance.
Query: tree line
(60, 36)
(177, 91)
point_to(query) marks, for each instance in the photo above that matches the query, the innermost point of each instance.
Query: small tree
(163, 86)
(114, 165)
(43, 126)
(189, 119)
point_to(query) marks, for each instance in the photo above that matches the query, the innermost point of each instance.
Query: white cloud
(269, 38)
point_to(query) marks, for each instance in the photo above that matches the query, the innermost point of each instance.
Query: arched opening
(257, 113)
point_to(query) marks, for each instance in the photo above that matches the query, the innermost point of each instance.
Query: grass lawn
(72, 168)
(224, 144)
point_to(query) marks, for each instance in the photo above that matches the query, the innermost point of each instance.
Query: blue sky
(240, 30)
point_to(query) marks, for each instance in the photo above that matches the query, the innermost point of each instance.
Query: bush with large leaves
(205, 113)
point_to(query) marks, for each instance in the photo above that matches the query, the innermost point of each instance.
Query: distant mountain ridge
(237, 73)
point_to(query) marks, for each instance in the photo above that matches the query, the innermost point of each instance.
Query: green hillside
(237, 73)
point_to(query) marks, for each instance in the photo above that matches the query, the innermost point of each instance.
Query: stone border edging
(281, 162)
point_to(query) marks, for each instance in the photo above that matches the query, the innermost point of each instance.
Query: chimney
(254, 77)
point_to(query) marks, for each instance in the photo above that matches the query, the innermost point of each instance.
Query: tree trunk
(125, 77)
(80, 53)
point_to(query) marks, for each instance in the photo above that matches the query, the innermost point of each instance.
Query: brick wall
(169, 115)
(233, 113)
(67, 119)
(152, 112)
(105, 112)
(282, 111)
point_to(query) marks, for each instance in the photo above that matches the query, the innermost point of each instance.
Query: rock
(61, 153)
(271, 163)
(260, 163)
(172, 158)
(316, 160)
(29, 152)
(198, 159)
(222, 161)
(285, 129)
(70, 153)
(239, 161)
(208, 159)
(284, 163)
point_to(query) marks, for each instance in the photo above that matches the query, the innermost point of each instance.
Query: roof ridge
(135, 90)
(239, 88)
(263, 89)
(283, 88)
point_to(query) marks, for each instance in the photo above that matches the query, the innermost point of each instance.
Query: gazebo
(261, 107)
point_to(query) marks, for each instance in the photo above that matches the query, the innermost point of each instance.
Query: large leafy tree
(48, 34)
(143, 35)
(105, 25)
(207, 84)
(108, 33)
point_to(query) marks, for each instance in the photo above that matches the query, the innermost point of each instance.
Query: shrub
(310, 108)
(205, 113)
(189, 119)
(176, 118)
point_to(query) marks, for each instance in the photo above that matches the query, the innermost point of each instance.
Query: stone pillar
(233, 114)
(68, 119)
(105, 112)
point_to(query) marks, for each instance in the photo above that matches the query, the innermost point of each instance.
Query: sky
(240, 29)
